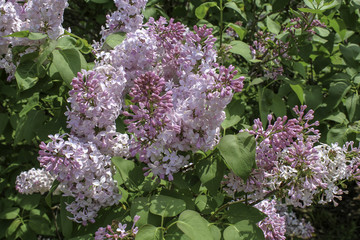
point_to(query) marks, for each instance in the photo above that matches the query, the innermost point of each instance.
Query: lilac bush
(163, 83)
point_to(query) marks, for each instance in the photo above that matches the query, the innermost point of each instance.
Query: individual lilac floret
(85, 173)
(273, 225)
(34, 181)
(117, 231)
(127, 18)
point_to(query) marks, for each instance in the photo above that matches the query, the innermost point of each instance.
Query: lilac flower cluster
(127, 18)
(269, 50)
(96, 103)
(281, 222)
(34, 181)
(44, 16)
(291, 165)
(273, 225)
(117, 231)
(304, 24)
(85, 173)
(295, 227)
(178, 92)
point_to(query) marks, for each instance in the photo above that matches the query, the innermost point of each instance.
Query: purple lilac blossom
(194, 91)
(287, 150)
(84, 172)
(96, 103)
(117, 231)
(127, 18)
(295, 227)
(44, 16)
(273, 225)
(34, 181)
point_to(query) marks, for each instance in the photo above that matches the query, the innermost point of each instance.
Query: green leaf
(40, 225)
(25, 232)
(66, 223)
(149, 232)
(113, 40)
(201, 10)
(239, 211)
(337, 92)
(299, 92)
(243, 230)
(242, 49)
(308, 10)
(351, 104)
(28, 125)
(323, 32)
(313, 97)
(26, 75)
(240, 31)
(272, 25)
(234, 7)
(201, 203)
(20, 34)
(54, 186)
(141, 207)
(130, 174)
(194, 226)
(234, 111)
(33, 101)
(329, 5)
(174, 233)
(350, 53)
(68, 62)
(215, 231)
(10, 213)
(13, 227)
(239, 153)
(336, 134)
(166, 206)
(36, 36)
(29, 202)
(338, 117)
(206, 169)
(66, 42)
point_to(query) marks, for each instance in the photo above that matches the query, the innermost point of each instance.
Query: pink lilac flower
(96, 103)
(295, 227)
(40, 16)
(127, 18)
(84, 172)
(290, 164)
(181, 65)
(34, 181)
(117, 231)
(273, 225)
